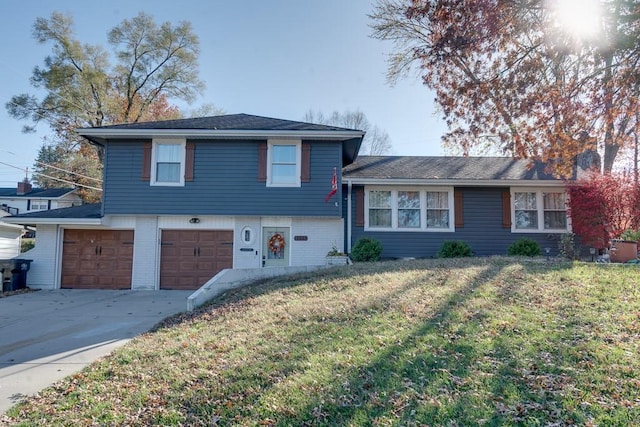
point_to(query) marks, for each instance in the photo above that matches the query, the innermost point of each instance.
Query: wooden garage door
(189, 258)
(97, 259)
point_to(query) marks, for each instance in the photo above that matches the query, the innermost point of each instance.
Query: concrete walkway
(47, 335)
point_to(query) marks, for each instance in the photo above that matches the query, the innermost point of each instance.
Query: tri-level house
(184, 199)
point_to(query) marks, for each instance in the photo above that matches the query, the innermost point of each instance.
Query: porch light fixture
(194, 220)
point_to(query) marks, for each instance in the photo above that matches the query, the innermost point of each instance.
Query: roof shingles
(446, 168)
(240, 122)
(86, 211)
(36, 193)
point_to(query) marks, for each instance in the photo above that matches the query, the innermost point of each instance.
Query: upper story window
(283, 163)
(409, 209)
(38, 205)
(539, 211)
(168, 162)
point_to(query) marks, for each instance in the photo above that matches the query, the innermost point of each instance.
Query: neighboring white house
(9, 239)
(24, 199)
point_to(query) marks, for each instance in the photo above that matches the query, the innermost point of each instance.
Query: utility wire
(12, 166)
(54, 178)
(53, 167)
(68, 182)
(67, 171)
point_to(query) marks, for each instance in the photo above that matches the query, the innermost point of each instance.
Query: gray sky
(276, 58)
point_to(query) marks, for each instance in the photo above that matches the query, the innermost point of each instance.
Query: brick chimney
(588, 161)
(23, 187)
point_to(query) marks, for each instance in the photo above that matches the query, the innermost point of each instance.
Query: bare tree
(376, 141)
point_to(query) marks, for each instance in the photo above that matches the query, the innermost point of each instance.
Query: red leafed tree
(602, 207)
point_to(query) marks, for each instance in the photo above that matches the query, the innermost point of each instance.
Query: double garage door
(97, 259)
(103, 259)
(189, 258)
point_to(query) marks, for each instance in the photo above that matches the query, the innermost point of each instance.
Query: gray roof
(88, 211)
(229, 122)
(446, 168)
(39, 193)
(232, 126)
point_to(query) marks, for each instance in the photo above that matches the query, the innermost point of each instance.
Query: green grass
(436, 342)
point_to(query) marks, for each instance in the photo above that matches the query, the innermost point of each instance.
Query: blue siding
(225, 183)
(482, 230)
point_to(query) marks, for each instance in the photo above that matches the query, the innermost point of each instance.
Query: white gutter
(60, 221)
(459, 182)
(9, 226)
(215, 133)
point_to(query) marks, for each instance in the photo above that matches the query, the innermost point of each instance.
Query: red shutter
(506, 209)
(146, 161)
(359, 193)
(459, 213)
(189, 159)
(262, 162)
(305, 169)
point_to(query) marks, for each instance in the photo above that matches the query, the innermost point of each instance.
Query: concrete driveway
(47, 335)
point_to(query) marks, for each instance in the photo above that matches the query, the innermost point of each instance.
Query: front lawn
(436, 342)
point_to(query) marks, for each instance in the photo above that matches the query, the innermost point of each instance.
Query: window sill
(537, 230)
(295, 185)
(411, 230)
(167, 184)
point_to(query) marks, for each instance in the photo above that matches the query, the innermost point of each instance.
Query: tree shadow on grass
(421, 374)
(433, 373)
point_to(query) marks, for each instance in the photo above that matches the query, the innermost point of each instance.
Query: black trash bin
(6, 280)
(19, 273)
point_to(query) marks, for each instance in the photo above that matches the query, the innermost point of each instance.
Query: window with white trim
(168, 162)
(38, 205)
(554, 211)
(409, 209)
(380, 209)
(438, 209)
(284, 163)
(539, 211)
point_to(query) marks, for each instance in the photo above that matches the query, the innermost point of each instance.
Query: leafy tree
(509, 71)
(376, 141)
(154, 64)
(65, 164)
(603, 207)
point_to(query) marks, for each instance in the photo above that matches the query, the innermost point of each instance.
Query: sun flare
(577, 18)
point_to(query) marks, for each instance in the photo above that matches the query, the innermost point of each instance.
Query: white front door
(275, 246)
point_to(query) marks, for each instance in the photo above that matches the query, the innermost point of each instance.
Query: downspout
(349, 188)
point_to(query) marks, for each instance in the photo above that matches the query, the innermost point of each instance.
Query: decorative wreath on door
(276, 243)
